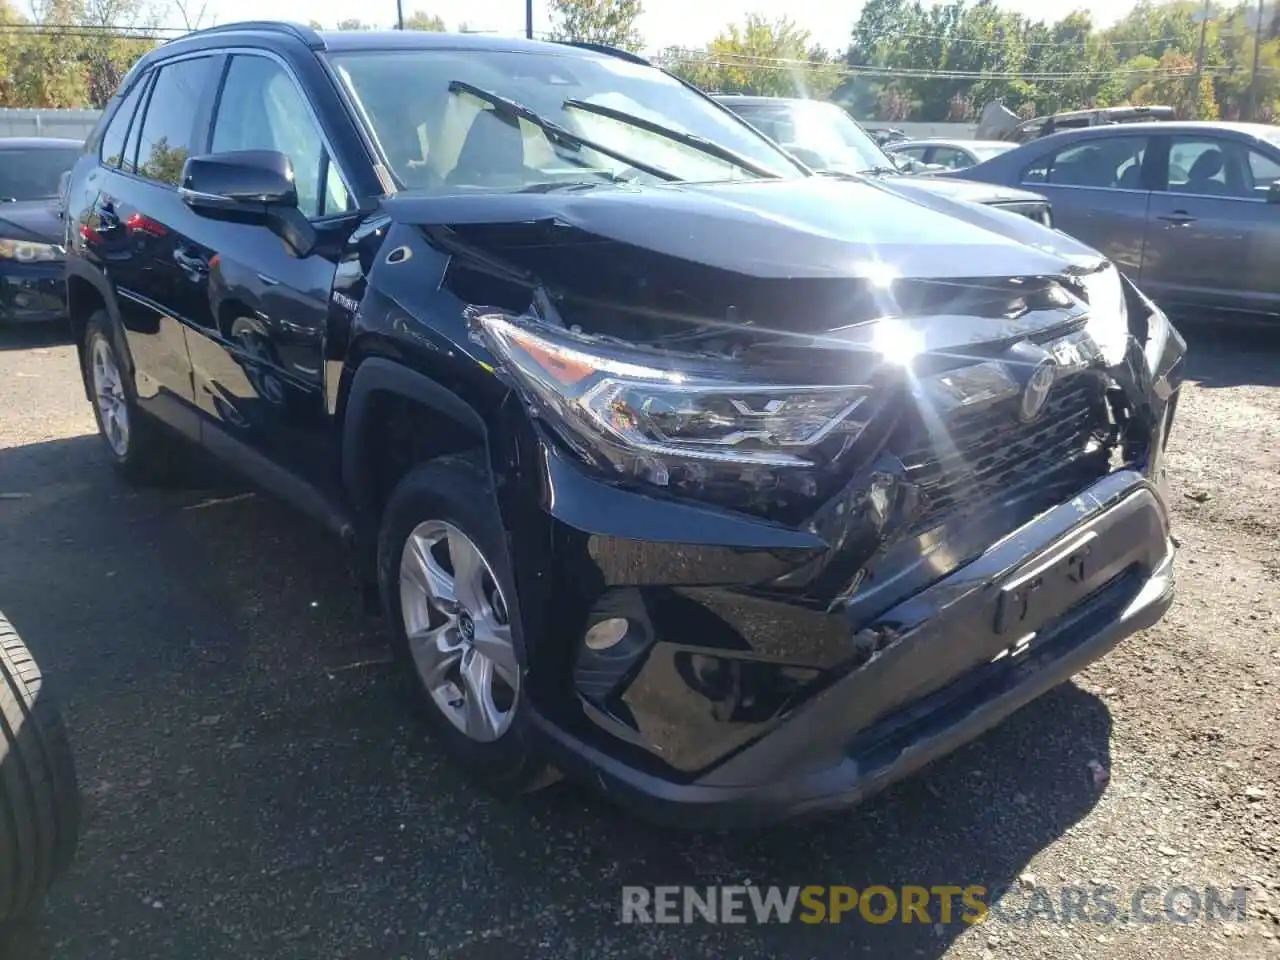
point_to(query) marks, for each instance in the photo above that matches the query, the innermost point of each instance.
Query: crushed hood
(804, 228)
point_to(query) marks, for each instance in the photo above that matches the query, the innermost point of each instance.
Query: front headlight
(669, 419)
(26, 252)
(1108, 312)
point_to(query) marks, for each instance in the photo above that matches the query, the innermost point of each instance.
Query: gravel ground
(257, 784)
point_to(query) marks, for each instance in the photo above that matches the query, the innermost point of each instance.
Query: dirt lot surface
(257, 783)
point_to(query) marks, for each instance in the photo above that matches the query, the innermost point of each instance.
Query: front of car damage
(812, 482)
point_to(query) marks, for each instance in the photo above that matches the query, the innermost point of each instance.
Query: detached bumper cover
(1026, 615)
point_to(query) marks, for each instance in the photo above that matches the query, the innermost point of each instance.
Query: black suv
(735, 491)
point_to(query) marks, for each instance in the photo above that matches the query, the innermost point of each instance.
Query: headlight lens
(647, 414)
(1108, 313)
(26, 252)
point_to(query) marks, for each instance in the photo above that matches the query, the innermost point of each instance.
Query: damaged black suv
(736, 491)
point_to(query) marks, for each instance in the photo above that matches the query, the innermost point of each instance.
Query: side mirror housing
(248, 186)
(1273, 192)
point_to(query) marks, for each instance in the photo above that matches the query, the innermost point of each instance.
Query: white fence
(72, 124)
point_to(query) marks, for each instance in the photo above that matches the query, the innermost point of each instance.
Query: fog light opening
(606, 634)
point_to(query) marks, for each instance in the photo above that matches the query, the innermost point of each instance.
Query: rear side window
(168, 129)
(112, 148)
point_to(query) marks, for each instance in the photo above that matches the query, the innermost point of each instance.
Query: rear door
(1100, 192)
(138, 226)
(1213, 242)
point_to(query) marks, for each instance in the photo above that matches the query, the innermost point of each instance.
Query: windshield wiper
(701, 144)
(553, 130)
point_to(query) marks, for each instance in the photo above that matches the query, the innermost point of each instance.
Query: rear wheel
(39, 801)
(138, 447)
(450, 602)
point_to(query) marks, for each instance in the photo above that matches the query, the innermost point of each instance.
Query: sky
(688, 23)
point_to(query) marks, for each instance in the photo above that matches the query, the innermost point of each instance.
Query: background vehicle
(948, 154)
(1189, 209)
(887, 135)
(31, 287)
(38, 791)
(674, 465)
(825, 138)
(1000, 123)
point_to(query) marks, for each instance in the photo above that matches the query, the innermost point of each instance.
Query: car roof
(949, 142)
(281, 32)
(39, 143)
(1258, 131)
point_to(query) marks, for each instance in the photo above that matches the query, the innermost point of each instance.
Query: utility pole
(528, 19)
(1204, 36)
(1253, 78)
(399, 14)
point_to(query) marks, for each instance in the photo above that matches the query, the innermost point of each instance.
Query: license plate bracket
(1048, 589)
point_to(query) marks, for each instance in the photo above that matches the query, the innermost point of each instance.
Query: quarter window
(168, 129)
(1101, 162)
(261, 108)
(113, 138)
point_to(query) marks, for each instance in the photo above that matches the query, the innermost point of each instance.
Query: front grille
(987, 454)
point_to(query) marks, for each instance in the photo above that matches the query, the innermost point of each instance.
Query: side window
(1208, 166)
(1107, 162)
(261, 108)
(915, 153)
(112, 147)
(168, 129)
(951, 158)
(1265, 170)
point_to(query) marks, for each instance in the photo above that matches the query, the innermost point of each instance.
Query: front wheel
(449, 599)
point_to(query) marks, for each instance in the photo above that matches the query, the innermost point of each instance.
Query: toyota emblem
(1036, 390)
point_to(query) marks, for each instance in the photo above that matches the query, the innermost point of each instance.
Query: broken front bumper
(945, 665)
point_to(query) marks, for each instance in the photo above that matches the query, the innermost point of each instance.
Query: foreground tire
(138, 448)
(449, 599)
(39, 800)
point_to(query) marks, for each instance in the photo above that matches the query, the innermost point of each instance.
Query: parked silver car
(949, 154)
(1190, 210)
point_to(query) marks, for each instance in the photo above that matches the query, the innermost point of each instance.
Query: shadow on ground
(257, 781)
(34, 335)
(1222, 355)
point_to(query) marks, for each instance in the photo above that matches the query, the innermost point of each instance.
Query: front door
(257, 346)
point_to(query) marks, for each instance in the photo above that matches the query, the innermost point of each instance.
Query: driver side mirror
(248, 186)
(1273, 192)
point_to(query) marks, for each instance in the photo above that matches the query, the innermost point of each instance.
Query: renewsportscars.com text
(944, 904)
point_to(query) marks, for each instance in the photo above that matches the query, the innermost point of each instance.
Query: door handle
(1178, 217)
(195, 267)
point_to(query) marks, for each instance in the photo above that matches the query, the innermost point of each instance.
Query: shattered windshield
(437, 137)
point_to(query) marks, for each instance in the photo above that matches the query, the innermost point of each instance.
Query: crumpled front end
(799, 522)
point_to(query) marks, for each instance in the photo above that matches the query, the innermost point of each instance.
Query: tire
(447, 496)
(143, 453)
(39, 799)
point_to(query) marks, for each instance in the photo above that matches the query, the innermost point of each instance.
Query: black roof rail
(607, 51)
(295, 30)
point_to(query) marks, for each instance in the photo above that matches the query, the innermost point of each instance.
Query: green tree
(354, 23)
(611, 22)
(759, 57)
(425, 21)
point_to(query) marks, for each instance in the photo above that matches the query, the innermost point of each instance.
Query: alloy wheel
(109, 397)
(459, 630)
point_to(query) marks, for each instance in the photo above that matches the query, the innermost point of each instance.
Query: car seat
(1201, 178)
(492, 154)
